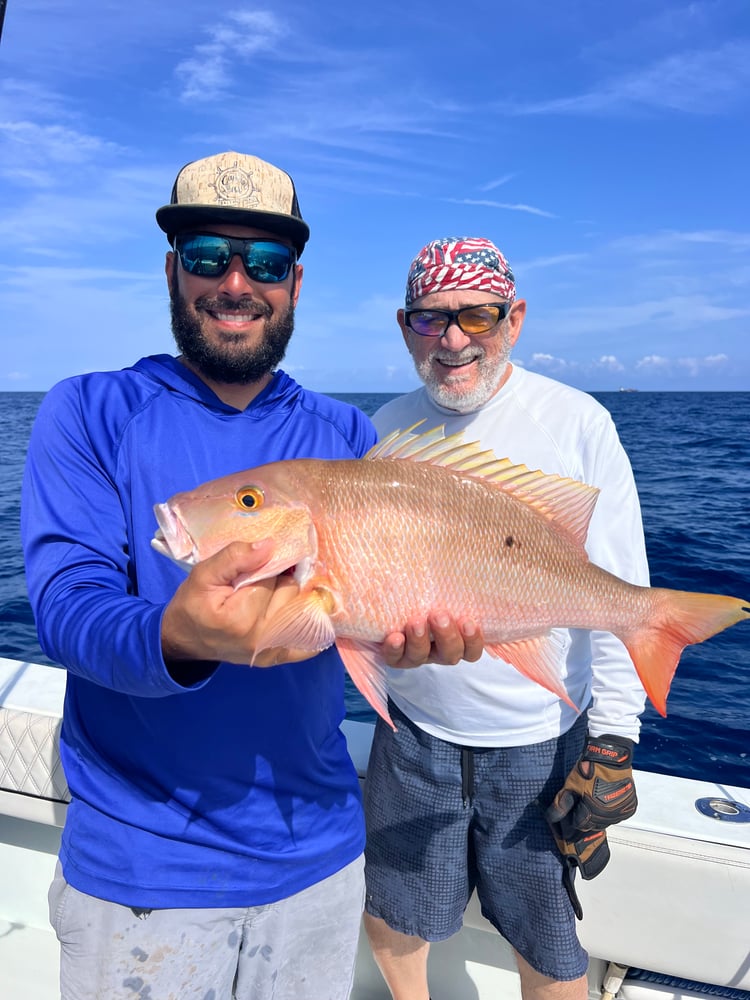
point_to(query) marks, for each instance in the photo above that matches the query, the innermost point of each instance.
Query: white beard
(448, 392)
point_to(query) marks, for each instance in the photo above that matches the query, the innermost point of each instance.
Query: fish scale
(418, 575)
(425, 523)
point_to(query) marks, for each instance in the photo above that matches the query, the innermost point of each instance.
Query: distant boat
(627, 390)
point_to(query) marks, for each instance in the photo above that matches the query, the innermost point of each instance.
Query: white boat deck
(675, 897)
(28, 947)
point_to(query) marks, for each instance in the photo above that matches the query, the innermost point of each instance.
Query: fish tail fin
(365, 665)
(682, 618)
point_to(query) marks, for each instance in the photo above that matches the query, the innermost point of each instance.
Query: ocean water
(691, 458)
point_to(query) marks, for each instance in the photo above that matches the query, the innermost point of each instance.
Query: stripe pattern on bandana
(460, 262)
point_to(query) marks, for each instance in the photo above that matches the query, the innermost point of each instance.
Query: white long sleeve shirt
(544, 425)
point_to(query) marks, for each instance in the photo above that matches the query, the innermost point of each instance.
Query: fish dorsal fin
(565, 501)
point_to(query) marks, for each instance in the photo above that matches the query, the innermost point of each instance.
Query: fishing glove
(598, 792)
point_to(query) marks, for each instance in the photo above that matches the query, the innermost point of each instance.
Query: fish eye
(249, 497)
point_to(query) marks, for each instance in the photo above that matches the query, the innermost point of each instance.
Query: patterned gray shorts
(300, 948)
(443, 820)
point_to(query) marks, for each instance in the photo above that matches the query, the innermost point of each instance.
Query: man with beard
(490, 782)
(213, 843)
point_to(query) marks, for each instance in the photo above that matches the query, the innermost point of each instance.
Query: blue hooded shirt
(238, 790)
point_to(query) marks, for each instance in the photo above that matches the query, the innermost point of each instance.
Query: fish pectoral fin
(536, 659)
(304, 623)
(364, 661)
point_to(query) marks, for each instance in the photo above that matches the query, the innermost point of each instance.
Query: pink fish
(423, 522)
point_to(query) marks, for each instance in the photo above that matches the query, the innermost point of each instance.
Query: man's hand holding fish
(437, 639)
(211, 618)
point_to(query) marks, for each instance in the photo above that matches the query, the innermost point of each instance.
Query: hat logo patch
(234, 186)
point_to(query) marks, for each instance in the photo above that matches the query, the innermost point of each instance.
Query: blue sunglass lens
(267, 261)
(209, 256)
(203, 256)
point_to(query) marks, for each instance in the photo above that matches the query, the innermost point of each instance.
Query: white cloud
(673, 240)
(501, 204)
(655, 362)
(76, 207)
(690, 366)
(554, 261)
(491, 185)
(26, 142)
(549, 362)
(23, 98)
(242, 35)
(608, 362)
(693, 82)
(673, 315)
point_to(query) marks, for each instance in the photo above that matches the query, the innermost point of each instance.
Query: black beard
(227, 367)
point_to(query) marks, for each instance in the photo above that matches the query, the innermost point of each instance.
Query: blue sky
(604, 147)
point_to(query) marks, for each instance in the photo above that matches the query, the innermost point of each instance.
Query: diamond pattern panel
(30, 755)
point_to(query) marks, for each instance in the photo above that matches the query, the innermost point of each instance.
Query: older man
(461, 796)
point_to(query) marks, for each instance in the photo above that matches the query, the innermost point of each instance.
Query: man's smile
(457, 361)
(237, 318)
(234, 315)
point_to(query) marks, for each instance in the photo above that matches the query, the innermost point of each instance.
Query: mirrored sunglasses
(474, 320)
(208, 256)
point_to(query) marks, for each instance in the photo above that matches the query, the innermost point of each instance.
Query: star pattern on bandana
(466, 262)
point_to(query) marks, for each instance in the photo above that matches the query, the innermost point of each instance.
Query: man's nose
(454, 338)
(235, 280)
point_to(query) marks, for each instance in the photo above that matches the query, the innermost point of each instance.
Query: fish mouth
(173, 540)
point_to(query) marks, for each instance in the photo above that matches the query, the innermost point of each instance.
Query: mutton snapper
(422, 522)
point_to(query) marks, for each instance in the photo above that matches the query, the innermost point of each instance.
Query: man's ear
(401, 320)
(515, 320)
(298, 274)
(169, 270)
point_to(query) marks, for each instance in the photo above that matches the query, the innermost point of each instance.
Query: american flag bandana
(460, 262)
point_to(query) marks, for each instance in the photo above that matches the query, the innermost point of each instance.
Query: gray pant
(300, 947)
